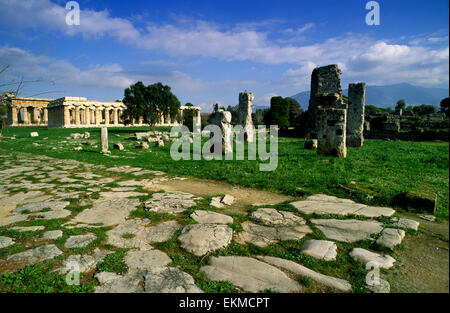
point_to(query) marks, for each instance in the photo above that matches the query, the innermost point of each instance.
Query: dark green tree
(424, 109)
(294, 110)
(150, 102)
(279, 112)
(401, 104)
(188, 116)
(444, 106)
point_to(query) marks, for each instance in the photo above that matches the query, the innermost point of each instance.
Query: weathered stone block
(245, 114)
(331, 133)
(355, 114)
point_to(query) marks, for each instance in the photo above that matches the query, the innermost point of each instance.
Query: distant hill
(385, 96)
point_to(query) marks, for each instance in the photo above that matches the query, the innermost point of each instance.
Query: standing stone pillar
(66, 116)
(331, 132)
(106, 116)
(35, 116)
(355, 114)
(223, 120)
(245, 114)
(116, 116)
(26, 116)
(104, 139)
(14, 115)
(140, 120)
(87, 116)
(45, 116)
(324, 80)
(97, 116)
(77, 116)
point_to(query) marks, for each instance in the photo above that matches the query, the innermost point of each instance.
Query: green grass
(382, 169)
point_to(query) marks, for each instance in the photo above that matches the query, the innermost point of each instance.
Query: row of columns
(91, 116)
(30, 117)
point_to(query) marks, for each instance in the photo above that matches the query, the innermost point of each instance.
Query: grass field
(373, 174)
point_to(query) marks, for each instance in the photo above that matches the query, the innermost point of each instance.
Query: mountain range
(388, 95)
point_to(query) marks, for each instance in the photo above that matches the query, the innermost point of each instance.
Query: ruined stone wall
(331, 132)
(355, 114)
(324, 80)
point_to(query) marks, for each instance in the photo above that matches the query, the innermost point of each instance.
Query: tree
(424, 109)
(150, 102)
(444, 106)
(401, 104)
(216, 107)
(294, 110)
(279, 112)
(188, 116)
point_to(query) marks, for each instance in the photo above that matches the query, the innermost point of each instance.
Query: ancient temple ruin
(78, 112)
(27, 111)
(70, 112)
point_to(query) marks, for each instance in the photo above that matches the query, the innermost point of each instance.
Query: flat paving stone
(39, 206)
(320, 249)
(146, 258)
(49, 215)
(324, 204)
(79, 241)
(151, 280)
(143, 233)
(83, 263)
(366, 256)
(407, 224)
(107, 212)
(28, 228)
(263, 236)
(200, 239)
(210, 217)
(50, 235)
(249, 274)
(348, 230)
(275, 218)
(5, 242)
(36, 255)
(170, 202)
(391, 237)
(300, 270)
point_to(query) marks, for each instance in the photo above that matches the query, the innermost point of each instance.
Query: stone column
(355, 114)
(97, 116)
(66, 116)
(14, 115)
(45, 116)
(140, 120)
(115, 116)
(331, 132)
(35, 119)
(77, 116)
(245, 114)
(87, 116)
(106, 116)
(104, 139)
(26, 116)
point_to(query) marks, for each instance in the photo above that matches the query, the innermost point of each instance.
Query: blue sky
(209, 51)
